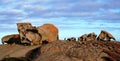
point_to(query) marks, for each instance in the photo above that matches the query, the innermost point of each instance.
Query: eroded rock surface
(10, 39)
(64, 51)
(48, 32)
(46, 46)
(105, 36)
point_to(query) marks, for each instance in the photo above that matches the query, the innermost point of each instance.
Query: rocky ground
(62, 51)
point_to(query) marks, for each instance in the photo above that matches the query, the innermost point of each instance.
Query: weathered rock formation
(63, 51)
(46, 46)
(33, 37)
(92, 36)
(72, 39)
(36, 35)
(10, 39)
(87, 37)
(48, 32)
(105, 36)
(22, 29)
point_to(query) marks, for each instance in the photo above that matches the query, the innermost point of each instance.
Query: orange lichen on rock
(49, 32)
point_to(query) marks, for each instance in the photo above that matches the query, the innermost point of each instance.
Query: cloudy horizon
(72, 17)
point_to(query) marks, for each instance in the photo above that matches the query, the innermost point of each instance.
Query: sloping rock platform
(62, 51)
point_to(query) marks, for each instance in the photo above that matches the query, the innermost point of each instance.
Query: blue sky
(72, 17)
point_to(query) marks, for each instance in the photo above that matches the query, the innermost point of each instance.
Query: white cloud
(65, 14)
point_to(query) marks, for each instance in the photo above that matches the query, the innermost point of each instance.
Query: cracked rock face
(36, 35)
(64, 51)
(47, 46)
(105, 36)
